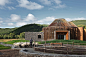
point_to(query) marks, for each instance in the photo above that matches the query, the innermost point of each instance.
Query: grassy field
(4, 47)
(65, 42)
(52, 41)
(6, 40)
(15, 41)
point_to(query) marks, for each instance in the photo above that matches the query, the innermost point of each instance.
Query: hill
(80, 23)
(25, 28)
(6, 30)
(29, 28)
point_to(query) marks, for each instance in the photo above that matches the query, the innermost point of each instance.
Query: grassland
(65, 42)
(52, 41)
(15, 41)
(79, 22)
(4, 47)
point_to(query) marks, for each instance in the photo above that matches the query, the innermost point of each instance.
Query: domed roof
(72, 24)
(62, 22)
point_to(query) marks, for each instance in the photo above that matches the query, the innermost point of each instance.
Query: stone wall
(34, 36)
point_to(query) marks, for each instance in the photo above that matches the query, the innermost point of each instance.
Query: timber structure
(61, 29)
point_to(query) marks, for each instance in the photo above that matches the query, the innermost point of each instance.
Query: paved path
(6, 44)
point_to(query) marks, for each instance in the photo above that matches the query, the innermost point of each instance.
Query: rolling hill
(80, 23)
(29, 28)
(25, 28)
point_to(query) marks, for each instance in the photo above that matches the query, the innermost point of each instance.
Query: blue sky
(16, 13)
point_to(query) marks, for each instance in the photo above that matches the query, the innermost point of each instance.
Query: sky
(16, 13)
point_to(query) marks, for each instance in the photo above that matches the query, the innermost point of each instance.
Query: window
(39, 36)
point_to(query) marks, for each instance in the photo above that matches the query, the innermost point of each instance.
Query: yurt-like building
(62, 29)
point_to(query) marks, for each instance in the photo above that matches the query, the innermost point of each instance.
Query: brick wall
(34, 36)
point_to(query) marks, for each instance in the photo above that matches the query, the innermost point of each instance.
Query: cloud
(30, 17)
(46, 2)
(60, 6)
(4, 2)
(0, 18)
(29, 5)
(15, 17)
(53, 3)
(1, 21)
(49, 20)
(20, 23)
(57, 1)
(10, 8)
(71, 19)
(10, 24)
(46, 20)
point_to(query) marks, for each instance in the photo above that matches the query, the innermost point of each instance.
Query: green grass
(11, 42)
(4, 47)
(64, 41)
(53, 41)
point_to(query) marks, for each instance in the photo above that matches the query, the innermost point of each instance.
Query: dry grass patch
(6, 40)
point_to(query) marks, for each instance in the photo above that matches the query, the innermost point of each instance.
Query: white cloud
(29, 5)
(3, 2)
(1, 21)
(46, 20)
(70, 19)
(10, 24)
(53, 3)
(46, 2)
(58, 1)
(20, 23)
(10, 8)
(60, 6)
(15, 17)
(0, 18)
(30, 17)
(49, 20)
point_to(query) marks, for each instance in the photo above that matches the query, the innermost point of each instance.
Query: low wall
(40, 54)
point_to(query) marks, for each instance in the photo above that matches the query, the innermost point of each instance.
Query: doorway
(62, 37)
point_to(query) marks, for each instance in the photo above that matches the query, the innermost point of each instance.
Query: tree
(12, 35)
(1, 37)
(5, 36)
(22, 35)
(17, 36)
